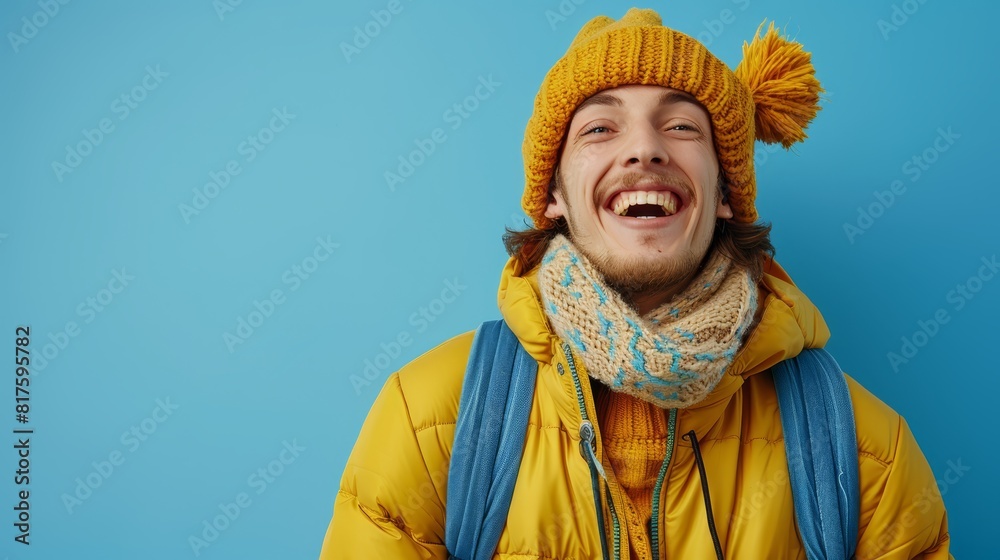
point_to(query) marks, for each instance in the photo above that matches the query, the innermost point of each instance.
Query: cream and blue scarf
(673, 356)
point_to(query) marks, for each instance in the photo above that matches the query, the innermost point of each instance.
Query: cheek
(699, 160)
(702, 169)
(592, 159)
(582, 172)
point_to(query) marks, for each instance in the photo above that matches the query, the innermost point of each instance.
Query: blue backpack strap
(489, 440)
(820, 441)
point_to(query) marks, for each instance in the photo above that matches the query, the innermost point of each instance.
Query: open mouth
(644, 204)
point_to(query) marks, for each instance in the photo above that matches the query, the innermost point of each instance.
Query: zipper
(654, 523)
(588, 447)
(587, 439)
(615, 526)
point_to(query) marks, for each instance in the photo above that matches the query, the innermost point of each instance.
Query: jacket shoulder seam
(942, 540)
(747, 441)
(380, 515)
(881, 450)
(433, 425)
(768, 441)
(875, 458)
(534, 555)
(440, 424)
(544, 427)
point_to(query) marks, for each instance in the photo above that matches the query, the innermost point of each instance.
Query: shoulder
(431, 384)
(878, 426)
(901, 506)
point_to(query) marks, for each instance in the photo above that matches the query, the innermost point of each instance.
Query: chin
(653, 248)
(643, 269)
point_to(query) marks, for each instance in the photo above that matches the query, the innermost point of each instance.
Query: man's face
(638, 184)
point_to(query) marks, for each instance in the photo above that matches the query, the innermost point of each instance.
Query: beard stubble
(637, 276)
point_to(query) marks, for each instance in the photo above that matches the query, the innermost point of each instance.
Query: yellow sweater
(635, 443)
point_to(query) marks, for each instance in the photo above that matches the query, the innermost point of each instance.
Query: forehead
(625, 96)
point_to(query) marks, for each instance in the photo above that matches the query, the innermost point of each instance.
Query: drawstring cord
(693, 438)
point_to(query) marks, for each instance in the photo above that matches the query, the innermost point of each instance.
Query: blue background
(322, 175)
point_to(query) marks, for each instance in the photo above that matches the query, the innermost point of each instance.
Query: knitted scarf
(672, 357)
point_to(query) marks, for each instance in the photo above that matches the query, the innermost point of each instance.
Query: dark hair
(748, 245)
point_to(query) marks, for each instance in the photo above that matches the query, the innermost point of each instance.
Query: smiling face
(638, 185)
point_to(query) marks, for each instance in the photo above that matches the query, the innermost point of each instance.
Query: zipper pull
(588, 444)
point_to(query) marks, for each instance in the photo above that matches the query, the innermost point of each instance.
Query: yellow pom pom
(781, 78)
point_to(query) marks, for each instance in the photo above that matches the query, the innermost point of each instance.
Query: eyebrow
(601, 99)
(611, 100)
(671, 97)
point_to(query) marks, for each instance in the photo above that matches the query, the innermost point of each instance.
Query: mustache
(633, 178)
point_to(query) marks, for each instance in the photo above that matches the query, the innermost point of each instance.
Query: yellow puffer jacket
(391, 503)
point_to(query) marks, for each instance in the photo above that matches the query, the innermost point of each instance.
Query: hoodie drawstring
(693, 438)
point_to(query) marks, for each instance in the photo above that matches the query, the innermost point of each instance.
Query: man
(647, 294)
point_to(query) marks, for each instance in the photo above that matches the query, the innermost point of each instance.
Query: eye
(595, 129)
(684, 127)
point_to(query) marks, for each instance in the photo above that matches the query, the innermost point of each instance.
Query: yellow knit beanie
(772, 96)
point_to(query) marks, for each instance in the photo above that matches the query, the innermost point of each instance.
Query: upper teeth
(625, 200)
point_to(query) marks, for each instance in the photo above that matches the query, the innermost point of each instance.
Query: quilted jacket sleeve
(903, 515)
(387, 505)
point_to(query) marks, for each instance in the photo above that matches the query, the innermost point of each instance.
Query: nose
(644, 147)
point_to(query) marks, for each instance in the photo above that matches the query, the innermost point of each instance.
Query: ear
(723, 210)
(557, 206)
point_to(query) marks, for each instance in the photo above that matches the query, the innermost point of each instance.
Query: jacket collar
(787, 323)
